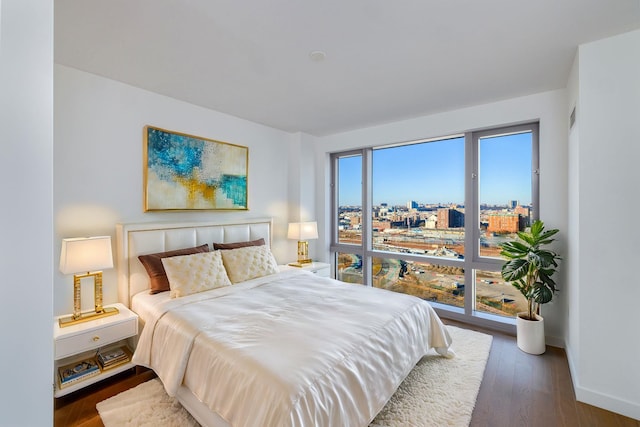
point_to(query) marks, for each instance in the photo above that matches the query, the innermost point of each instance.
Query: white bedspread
(291, 349)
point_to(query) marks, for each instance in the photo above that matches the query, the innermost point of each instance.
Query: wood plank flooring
(79, 408)
(518, 389)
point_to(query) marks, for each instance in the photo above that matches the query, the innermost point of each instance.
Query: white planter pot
(530, 334)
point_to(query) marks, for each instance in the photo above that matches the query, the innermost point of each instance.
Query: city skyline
(437, 169)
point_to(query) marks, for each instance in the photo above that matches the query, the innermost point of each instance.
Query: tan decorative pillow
(248, 263)
(153, 264)
(189, 274)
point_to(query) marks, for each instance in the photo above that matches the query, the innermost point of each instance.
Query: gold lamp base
(85, 317)
(303, 255)
(98, 312)
(301, 263)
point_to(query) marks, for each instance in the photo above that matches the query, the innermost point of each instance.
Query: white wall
(302, 187)
(302, 182)
(98, 165)
(572, 260)
(26, 132)
(605, 351)
(548, 107)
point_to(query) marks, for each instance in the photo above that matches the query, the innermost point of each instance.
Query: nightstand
(322, 269)
(82, 341)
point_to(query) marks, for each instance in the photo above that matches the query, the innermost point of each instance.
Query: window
(349, 214)
(418, 198)
(349, 268)
(427, 217)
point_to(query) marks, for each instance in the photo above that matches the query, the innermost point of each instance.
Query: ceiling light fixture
(317, 55)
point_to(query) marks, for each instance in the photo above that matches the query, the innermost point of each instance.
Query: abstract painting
(186, 172)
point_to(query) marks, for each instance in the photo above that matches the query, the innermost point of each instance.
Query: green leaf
(515, 269)
(541, 293)
(514, 249)
(546, 258)
(527, 238)
(537, 227)
(547, 280)
(547, 234)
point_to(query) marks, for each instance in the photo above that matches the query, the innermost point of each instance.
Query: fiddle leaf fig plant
(529, 266)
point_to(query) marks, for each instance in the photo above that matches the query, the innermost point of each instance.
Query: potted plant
(529, 268)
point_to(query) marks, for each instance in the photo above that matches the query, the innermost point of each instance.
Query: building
(525, 213)
(450, 218)
(506, 223)
(381, 226)
(431, 221)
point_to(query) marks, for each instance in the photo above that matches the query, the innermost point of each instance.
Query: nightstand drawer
(95, 338)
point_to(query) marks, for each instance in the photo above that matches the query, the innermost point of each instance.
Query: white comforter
(291, 349)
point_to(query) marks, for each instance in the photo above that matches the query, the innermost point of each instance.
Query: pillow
(248, 263)
(153, 264)
(236, 245)
(190, 274)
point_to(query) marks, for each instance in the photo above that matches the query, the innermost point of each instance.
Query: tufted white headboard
(147, 238)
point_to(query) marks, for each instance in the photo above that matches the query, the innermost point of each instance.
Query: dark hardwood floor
(79, 408)
(518, 389)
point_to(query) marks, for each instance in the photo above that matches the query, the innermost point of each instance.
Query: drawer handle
(96, 338)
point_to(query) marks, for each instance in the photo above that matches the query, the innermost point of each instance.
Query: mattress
(290, 349)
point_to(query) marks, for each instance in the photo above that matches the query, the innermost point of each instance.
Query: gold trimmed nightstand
(322, 269)
(82, 341)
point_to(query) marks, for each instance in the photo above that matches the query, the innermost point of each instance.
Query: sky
(433, 172)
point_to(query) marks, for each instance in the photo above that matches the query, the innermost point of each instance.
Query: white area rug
(437, 392)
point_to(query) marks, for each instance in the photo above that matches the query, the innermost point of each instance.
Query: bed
(287, 348)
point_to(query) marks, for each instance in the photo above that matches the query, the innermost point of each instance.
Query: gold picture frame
(187, 172)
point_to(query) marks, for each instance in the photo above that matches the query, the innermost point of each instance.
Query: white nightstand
(322, 269)
(81, 341)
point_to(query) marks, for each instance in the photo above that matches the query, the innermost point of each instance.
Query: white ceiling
(385, 60)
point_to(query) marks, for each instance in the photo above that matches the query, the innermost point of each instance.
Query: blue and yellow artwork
(186, 172)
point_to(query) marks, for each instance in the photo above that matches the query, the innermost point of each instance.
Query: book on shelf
(113, 357)
(77, 371)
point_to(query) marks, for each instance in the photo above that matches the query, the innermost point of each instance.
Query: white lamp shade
(303, 230)
(85, 254)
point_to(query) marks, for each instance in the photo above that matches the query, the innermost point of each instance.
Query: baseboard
(554, 341)
(610, 403)
(590, 397)
(572, 365)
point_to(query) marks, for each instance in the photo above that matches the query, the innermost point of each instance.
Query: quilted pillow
(189, 274)
(153, 264)
(248, 263)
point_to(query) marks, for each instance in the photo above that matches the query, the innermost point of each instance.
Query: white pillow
(189, 274)
(249, 262)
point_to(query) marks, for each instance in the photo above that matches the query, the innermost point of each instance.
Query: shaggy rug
(437, 392)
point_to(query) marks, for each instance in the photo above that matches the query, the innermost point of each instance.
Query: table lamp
(86, 257)
(302, 231)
